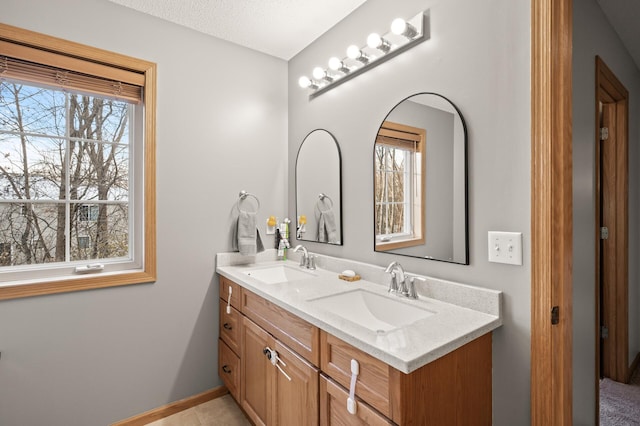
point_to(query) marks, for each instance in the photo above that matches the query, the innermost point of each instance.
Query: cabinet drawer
(230, 327)
(293, 331)
(333, 408)
(236, 292)
(229, 369)
(374, 379)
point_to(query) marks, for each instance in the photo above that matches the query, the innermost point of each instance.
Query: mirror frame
(466, 182)
(335, 141)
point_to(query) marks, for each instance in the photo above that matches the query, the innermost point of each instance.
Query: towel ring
(243, 196)
(323, 197)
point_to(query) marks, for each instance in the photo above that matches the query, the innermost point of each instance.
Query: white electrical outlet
(505, 247)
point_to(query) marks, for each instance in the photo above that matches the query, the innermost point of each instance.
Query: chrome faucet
(398, 283)
(306, 260)
(397, 276)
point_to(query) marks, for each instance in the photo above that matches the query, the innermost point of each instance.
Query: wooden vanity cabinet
(276, 396)
(229, 341)
(290, 329)
(333, 408)
(229, 368)
(455, 389)
(263, 391)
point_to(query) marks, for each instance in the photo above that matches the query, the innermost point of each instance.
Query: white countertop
(462, 312)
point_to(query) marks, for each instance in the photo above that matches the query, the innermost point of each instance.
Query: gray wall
(593, 35)
(478, 57)
(95, 357)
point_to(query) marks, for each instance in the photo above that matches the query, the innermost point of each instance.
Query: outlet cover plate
(505, 247)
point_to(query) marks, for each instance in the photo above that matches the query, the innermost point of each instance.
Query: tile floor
(221, 411)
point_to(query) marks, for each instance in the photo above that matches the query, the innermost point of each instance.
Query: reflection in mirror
(420, 181)
(318, 189)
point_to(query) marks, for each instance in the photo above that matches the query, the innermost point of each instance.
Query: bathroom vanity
(291, 338)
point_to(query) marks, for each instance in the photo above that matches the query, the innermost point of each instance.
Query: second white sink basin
(371, 310)
(278, 274)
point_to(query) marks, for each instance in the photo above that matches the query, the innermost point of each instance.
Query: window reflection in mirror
(420, 181)
(318, 189)
(399, 196)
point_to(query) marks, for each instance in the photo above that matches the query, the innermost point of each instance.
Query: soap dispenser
(282, 239)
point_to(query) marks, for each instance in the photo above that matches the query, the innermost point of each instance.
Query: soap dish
(348, 278)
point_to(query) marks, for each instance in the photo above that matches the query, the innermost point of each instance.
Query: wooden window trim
(147, 72)
(419, 136)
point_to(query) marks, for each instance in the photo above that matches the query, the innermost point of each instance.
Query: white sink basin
(371, 310)
(278, 274)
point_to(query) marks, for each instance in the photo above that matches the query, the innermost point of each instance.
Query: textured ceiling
(624, 15)
(280, 28)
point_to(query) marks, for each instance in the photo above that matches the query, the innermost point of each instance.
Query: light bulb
(337, 65)
(374, 41)
(354, 52)
(319, 73)
(400, 27)
(305, 82)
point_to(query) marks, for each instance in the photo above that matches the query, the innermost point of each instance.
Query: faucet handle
(402, 287)
(393, 284)
(412, 293)
(311, 262)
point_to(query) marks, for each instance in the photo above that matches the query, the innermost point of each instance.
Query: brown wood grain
(256, 386)
(172, 408)
(230, 327)
(551, 211)
(293, 331)
(333, 408)
(236, 292)
(229, 369)
(373, 381)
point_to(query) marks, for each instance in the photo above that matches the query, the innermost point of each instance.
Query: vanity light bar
(402, 36)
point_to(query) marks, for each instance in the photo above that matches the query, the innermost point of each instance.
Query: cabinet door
(296, 401)
(256, 384)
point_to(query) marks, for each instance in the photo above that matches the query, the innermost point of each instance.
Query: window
(5, 254)
(77, 176)
(88, 213)
(399, 187)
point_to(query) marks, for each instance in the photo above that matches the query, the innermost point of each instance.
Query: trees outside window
(399, 173)
(57, 151)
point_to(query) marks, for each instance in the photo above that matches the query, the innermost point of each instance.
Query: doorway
(612, 340)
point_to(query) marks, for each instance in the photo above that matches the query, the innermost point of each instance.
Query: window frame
(410, 134)
(92, 56)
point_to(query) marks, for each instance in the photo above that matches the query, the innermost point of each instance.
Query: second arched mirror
(319, 189)
(420, 180)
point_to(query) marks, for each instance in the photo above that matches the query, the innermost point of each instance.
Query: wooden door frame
(609, 90)
(551, 212)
